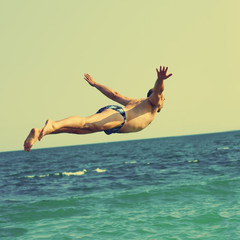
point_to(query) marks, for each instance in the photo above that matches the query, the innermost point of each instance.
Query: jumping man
(136, 114)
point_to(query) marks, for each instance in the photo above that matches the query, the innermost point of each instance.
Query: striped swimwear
(118, 109)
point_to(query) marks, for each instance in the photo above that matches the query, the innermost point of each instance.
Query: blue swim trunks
(118, 109)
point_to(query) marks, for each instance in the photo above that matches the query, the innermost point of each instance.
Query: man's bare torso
(139, 114)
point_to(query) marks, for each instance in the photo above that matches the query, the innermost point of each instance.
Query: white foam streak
(131, 162)
(100, 170)
(79, 173)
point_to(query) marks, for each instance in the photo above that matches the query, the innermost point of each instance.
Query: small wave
(193, 161)
(30, 176)
(223, 148)
(131, 162)
(39, 176)
(99, 170)
(79, 173)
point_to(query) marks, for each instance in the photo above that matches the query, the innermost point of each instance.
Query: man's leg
(98, 122)
(35, 133)
(62, 126)
(77, 125)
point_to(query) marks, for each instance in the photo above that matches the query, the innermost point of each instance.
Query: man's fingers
(163, 69)
(169, 75)
(86, 76)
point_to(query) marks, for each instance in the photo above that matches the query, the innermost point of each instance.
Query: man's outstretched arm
(159, 85)
(108, 92)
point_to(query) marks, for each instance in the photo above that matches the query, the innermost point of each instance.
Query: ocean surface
(184, 187)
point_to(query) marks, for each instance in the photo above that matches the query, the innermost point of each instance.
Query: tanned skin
(139, 113)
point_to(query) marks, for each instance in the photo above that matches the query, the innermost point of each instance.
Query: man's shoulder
(136, 101)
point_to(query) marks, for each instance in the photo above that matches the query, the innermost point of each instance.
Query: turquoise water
(167, 188)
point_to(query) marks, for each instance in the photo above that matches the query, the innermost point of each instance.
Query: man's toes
(26, 149)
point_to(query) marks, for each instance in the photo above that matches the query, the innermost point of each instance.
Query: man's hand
(162, 73)
(90, 80)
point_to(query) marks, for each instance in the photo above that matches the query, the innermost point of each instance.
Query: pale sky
(46, 46)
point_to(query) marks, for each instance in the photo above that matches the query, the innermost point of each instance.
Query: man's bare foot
(48, 128)
(31, 139)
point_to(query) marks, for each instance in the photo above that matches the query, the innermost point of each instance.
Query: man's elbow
(115, 95)
(154, 100)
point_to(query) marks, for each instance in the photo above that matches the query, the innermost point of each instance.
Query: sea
(185, 187)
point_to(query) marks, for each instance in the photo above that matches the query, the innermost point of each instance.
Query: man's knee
(92, 126)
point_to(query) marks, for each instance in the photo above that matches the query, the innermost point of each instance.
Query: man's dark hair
(149, 92)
